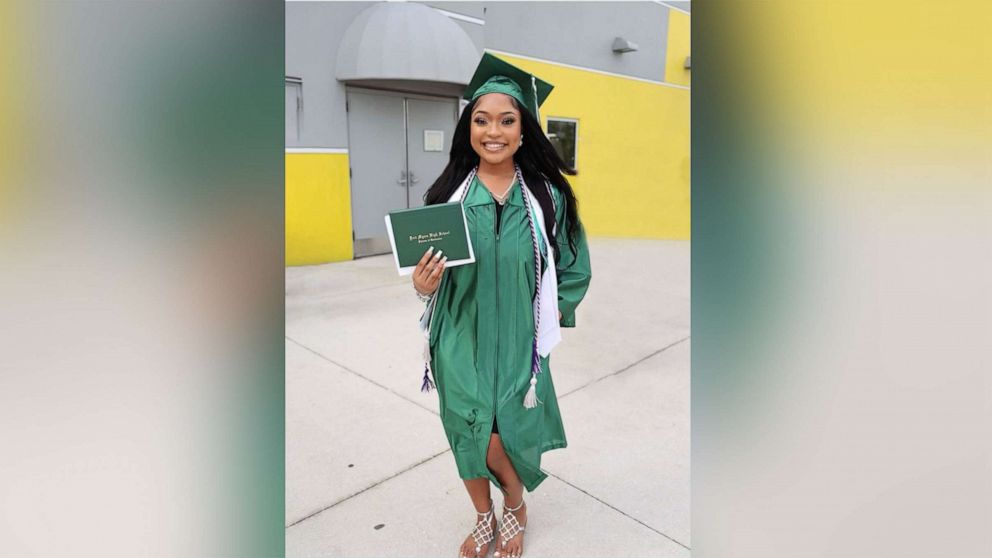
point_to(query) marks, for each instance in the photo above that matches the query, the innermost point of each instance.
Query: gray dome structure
(405, 41)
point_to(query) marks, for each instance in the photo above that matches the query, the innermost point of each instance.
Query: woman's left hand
(427, 274)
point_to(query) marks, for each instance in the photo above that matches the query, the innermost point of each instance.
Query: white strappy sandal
(483, 532)
(509, 527)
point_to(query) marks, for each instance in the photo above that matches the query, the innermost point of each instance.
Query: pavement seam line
(339, 294)
(625, 368)
(367, 488)
(618, 510)
(371, 381)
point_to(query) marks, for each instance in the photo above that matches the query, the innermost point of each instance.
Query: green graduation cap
(494, 75)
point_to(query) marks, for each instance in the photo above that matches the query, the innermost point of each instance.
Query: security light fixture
(621, 45)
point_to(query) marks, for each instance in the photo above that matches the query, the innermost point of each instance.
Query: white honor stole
(549, 334)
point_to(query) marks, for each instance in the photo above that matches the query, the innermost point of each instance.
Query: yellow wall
(677, 49)
(318, 208)
(633, 150)
(633, 159)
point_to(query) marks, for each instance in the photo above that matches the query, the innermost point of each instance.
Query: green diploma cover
(412, 231)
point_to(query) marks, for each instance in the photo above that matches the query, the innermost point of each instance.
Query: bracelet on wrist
(422, 297)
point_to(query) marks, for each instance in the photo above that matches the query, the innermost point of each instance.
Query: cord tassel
(427, 385)
(531, 400)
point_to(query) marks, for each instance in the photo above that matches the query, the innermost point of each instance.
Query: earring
(521, 140)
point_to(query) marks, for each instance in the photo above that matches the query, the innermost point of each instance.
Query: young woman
(487, 346)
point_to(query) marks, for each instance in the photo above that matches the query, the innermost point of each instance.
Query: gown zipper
(496, 360)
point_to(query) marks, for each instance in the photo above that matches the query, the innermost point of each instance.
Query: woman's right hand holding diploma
(427, 274)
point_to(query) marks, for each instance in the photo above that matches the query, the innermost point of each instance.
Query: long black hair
(538, 162)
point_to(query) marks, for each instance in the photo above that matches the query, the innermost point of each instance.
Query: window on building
(563, 133)
(294, 108)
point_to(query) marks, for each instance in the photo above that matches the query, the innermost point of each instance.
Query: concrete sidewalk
(368, 469)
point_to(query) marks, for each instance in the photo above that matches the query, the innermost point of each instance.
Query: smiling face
(495, 129)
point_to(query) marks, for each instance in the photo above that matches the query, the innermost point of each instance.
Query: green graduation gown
(481, 335)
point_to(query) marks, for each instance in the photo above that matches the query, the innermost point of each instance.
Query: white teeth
(494, 146)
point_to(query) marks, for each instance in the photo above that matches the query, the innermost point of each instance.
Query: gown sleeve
(574, 271)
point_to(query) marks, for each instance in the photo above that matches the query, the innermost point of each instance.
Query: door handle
(403, 181)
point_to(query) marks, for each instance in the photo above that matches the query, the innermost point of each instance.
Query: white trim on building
(671, 7)
(562, 64)
(462, 17)
(315, 149)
